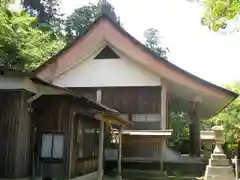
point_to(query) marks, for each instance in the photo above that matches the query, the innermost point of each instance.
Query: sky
(209, 55)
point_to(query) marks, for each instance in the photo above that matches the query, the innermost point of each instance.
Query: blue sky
(211, 56)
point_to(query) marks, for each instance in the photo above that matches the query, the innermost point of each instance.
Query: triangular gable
(107, 53)
(107, 68)
(105, 30)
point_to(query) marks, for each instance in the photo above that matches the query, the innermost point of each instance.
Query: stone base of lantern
(219, 168)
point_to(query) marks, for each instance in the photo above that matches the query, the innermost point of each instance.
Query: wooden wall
(145, 126)
(15, 133)
(128, 99)
(88, 144)
(52, 113)
(141, 147)
(133, 100)
(20, 145)
(57, 114)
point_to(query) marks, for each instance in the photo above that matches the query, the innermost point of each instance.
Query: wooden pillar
(101, 141)
(168, 113)
(15, 135)
(163, 122)
(194, 128)
(163, 107)
(120, 153)
(71, 141)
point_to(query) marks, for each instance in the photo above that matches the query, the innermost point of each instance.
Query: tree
(219, 12)
(82, 17)
(4, 3)
(46, 11)
(22, 44)
(153, 42)
(180, 126)
(105, 7)
(229, 118)
(77, 22)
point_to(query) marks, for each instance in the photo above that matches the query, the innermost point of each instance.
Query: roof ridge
(142, 46)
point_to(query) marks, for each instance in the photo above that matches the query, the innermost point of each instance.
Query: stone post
(219, 167)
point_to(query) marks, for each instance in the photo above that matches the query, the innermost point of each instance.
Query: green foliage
(105, 7)
(153, 42)
(219, 12)
(180, 126)
(229, 118)
(28, 39)
(77, 22)
(4, 3)
(23, 45)
(47, 11)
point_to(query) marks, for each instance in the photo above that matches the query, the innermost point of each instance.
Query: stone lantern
(219, 139)
(219, 167)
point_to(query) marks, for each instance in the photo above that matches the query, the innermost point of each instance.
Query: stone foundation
(219, 168)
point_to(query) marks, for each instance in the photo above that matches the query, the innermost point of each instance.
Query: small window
(52, 145)
(107, 53)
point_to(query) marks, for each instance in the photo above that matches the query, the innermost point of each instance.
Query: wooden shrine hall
(48, 131)
(138, 83)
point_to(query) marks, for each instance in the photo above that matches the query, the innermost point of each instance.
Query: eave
(103, 28)
(15, 80)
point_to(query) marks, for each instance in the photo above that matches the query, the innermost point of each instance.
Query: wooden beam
(33, 98)
(164, 107)
(108, 119)
(194, 128)
(162, 153)
(163, 123)
(71, 141)
(101, 141)
(120, 153)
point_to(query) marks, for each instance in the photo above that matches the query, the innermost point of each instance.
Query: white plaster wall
(107, 72)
